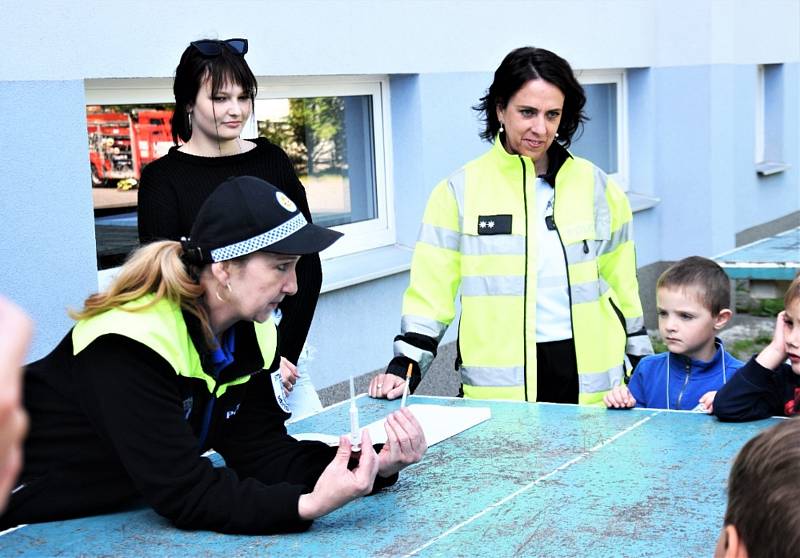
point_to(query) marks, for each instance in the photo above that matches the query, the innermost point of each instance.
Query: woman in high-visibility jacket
(168, 363)
(540, 244)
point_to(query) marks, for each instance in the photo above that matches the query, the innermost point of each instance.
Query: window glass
(769, 114)
(329, 140)
(122, 140)
(332, 130)
(598, 143)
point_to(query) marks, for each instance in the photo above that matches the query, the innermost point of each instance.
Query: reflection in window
(122, 140)
(330, 143)
(598, 143)
(334, 140)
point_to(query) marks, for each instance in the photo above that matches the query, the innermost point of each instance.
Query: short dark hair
(518, 68)
(193, 70)
(764, 492)
(703, 274)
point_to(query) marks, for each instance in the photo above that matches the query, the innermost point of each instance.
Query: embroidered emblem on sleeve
(277, 387)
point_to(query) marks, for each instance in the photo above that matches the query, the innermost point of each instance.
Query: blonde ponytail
(156, 269)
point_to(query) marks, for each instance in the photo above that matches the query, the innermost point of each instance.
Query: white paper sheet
(439, 422)
(303, 400)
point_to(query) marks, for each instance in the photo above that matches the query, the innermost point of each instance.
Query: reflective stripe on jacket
(161, 327)
(476, 236)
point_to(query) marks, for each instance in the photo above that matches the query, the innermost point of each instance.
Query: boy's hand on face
(619, 398)
(775, 353)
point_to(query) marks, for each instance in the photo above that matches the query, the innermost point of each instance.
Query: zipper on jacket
(209, 411)
(683, 388)
(525, 288)
(207, 418)
(569, 282)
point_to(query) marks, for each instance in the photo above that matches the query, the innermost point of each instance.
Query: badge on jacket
(494, 224)
(277, 387)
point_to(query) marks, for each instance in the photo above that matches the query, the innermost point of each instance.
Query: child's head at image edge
(791, 321)
(763, 515)
(792, 295)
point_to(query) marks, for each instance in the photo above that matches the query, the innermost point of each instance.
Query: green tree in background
(312, 135)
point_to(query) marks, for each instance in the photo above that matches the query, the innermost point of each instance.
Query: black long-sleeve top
(116, 424)
(174, 187)
(755, 392)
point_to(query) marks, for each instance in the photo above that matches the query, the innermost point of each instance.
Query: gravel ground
(745, 326)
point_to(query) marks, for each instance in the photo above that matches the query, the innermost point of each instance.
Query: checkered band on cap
(261, 241)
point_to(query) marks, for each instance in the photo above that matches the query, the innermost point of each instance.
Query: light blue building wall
(47, 246)
(691, 71)
(760, 199)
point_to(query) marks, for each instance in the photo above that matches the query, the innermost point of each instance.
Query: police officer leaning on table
(180, 355)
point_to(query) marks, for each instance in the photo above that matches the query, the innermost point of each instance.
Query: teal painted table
(776, 258)
(534, 480)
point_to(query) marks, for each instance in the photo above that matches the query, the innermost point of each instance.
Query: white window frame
(361, 236)
(373, 233)
(618, 77)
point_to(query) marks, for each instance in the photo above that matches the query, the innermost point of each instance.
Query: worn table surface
(534, 480)
(773, 258)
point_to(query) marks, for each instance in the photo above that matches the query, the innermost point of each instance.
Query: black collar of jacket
(246, 352)
(556, 156)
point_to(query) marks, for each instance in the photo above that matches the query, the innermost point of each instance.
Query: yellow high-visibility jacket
(161, 328)
(495, 268)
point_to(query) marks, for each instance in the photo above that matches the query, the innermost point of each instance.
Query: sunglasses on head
(213, 47)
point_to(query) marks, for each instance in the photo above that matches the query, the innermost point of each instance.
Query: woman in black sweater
(214, 97)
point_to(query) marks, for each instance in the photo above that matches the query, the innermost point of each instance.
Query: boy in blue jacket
(693, 298)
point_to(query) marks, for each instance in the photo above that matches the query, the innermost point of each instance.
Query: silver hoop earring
(189, 118)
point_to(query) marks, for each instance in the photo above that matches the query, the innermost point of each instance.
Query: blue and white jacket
(688, 379)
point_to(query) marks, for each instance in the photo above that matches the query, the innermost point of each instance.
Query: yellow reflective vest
(160, 327)
(497, 275)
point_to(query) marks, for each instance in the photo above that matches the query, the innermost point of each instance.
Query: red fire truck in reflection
(120, 143)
